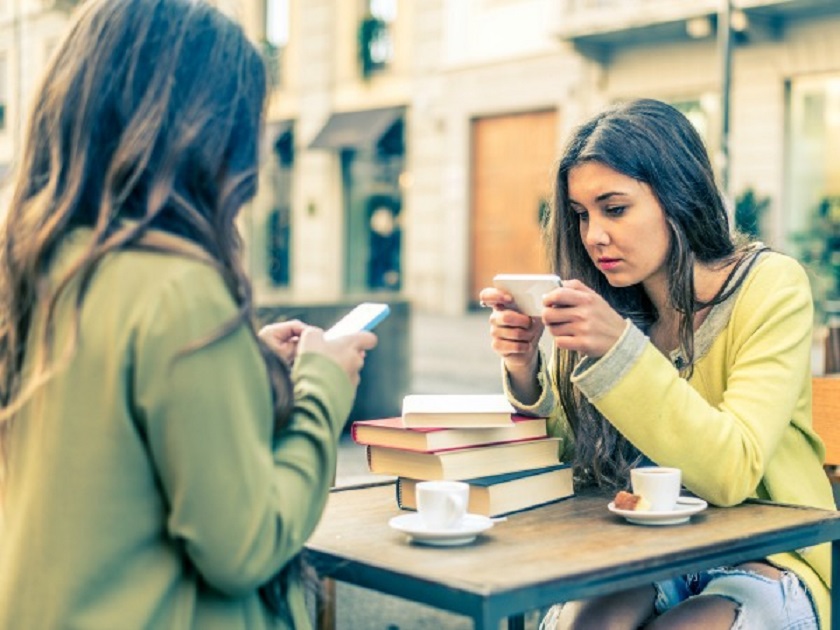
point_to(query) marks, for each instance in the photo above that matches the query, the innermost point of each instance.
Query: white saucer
(471, 526)
(686, 508)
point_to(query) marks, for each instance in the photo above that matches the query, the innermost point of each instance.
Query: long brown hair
(653, 143)
(147, 121)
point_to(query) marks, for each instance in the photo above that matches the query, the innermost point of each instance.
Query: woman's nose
(596, 234)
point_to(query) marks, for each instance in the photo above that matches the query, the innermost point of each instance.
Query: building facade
(485, 92)
(409, 145)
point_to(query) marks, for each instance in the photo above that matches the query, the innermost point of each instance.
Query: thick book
(391, 432)
(457, 411)
(498, 495)
(464, 463)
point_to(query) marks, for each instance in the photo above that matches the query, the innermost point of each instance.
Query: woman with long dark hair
(674, 342)
(162, 462)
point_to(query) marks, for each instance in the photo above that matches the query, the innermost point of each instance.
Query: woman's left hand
(580, 320)
(283, 337)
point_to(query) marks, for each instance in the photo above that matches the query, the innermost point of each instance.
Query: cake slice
(630, 502)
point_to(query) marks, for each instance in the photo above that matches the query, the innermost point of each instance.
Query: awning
(354, 130)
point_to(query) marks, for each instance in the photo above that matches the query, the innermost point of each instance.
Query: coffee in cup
(659, 486)
(442, 504)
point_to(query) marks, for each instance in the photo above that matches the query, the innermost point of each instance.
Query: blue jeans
(763, 603)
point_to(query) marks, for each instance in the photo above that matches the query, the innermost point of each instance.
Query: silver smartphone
(527, 289)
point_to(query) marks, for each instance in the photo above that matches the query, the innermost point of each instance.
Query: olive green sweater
(740, 427)
(144, 488)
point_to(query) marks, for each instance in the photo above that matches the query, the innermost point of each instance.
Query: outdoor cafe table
(569, 550)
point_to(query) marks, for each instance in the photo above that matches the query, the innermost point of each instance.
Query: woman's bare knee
(626, 610)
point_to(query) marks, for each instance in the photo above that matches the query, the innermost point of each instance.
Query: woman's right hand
(348, 350)
(514, 336)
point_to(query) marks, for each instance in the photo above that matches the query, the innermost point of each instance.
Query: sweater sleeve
(547, 405)
(724, 426)
(241, 503)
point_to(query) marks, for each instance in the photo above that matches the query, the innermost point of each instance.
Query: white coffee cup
(658, 486)
(442, 504)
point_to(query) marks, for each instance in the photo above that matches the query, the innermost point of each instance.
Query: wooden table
(569, 550)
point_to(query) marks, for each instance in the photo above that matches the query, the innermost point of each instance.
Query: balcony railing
(595, 26)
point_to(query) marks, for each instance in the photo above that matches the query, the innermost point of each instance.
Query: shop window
(278, 228)
(813, 184)
(704, 114)
(373, 204)
(814, 151)
(276, 38)
(376, 43)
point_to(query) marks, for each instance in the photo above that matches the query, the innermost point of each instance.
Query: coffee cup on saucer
(659, 486)
(442, 504)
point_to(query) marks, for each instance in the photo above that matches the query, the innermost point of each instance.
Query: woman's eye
(615, 211)
(582, 215)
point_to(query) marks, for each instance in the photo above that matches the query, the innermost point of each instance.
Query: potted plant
(750, 207)
(818, 248)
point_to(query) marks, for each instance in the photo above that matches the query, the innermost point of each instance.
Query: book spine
(399, 490)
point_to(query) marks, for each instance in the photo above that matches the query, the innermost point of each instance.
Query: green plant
(749, 210)
(818, 249)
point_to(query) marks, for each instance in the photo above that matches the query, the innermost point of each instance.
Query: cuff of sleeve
(317, 376)
(596, 377)
(544, 405)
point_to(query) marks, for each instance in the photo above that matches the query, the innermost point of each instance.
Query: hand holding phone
(365, 316)
(527, 289)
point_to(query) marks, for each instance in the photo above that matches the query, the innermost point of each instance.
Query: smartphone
(365, 316)
(527, 289)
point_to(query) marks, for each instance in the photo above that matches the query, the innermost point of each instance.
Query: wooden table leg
(325, 606)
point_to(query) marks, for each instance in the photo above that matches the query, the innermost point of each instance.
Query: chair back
(826, 415)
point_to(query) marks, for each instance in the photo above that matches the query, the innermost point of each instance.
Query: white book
(457, 410)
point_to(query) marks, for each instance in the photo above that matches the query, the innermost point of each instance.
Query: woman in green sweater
(163, 464)
(678, 344)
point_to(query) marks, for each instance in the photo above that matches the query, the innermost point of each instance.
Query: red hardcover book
(392, 433)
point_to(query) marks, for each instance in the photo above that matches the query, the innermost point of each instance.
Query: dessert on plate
(631, 502)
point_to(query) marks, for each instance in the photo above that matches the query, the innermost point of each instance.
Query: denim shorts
(763, 603)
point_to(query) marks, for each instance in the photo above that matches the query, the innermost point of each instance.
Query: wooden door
(512, 162)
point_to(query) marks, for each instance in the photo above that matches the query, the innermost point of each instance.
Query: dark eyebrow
(609, 195)
(602, 197)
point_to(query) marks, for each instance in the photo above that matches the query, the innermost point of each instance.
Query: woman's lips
(608, 264)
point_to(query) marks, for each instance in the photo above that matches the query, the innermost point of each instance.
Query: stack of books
(508, 459)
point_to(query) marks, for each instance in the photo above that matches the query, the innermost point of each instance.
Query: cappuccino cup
(442, 504)
(659, 486)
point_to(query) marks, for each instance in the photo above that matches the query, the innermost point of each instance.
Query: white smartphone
(527, 289)
(365, 316)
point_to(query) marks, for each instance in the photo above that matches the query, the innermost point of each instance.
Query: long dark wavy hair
(655, 144)
(147, 120)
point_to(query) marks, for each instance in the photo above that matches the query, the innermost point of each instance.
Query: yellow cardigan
(145, 488)
(741, 426)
